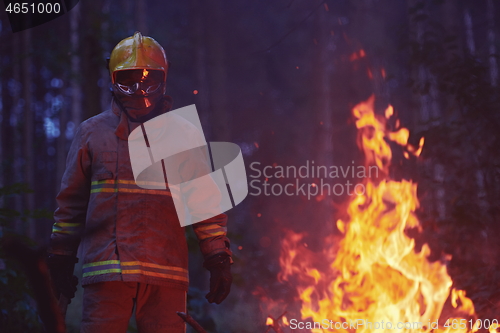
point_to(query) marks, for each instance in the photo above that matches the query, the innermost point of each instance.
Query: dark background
(278, 78)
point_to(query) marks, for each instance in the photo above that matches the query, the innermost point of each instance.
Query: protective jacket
(127, 233)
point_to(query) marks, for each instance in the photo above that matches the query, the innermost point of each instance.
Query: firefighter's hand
(61, 273)
(219, 266)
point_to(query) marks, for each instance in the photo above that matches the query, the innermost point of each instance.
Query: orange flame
(375, 273)
(145, 74)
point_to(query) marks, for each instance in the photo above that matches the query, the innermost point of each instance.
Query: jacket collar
(122, 130)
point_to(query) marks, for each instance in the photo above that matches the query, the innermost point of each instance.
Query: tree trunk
(129, 12)
(76, 87)
(15, 122)
(322, 76)
(92, 59)
(28, 128)
(217, 68)
(141, 17)
(200, 64)
(69, 124)
(105, 80)
(469, 33)
(322, 123)
(491, 42)
(2, 126)
(452, 22)
(428, 99)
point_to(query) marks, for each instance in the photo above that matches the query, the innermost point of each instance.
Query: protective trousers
(108, 306)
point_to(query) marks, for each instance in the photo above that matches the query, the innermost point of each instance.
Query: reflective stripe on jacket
(126, 233)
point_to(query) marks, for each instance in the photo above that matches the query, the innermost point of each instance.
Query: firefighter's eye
(127, 89)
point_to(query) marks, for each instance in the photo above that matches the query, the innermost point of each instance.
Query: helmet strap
(162, 106)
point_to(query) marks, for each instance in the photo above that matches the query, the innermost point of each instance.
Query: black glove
(61, 273)
(219, 266)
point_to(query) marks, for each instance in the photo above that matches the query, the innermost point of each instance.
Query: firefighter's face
(139, 90)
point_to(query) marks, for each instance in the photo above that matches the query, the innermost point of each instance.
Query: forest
(288, 81)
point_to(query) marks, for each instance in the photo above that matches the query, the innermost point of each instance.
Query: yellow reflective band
(97, 190)
(67, 224)
(208, 227)
(99, 263)
(147, 264)
(122, 181)
(151, 183)
(212, 235)
(163, 275)
(128, 182)
(60, 231)
(136, 190)
(104, 271)
(107, 181)
(142, 182)
(131, 190)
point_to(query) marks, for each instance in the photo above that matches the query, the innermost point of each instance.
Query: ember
(274, 324)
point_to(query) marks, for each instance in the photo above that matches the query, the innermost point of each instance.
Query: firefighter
(133, 248)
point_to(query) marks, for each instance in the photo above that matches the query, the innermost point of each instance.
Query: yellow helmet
(138, 52)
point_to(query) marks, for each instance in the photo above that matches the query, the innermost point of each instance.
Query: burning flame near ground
(376, 274)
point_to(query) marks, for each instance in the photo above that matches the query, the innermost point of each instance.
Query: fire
(376, 275)
(145, 74)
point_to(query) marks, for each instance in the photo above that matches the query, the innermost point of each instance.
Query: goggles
(128, 82)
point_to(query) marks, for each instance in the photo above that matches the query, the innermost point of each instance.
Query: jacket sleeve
(73, 198)
(212, 235)
(204, 199)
